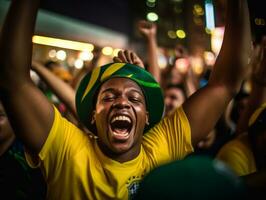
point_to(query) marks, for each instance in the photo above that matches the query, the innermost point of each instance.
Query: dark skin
(116, 99)
(32, 114)
(7, 135)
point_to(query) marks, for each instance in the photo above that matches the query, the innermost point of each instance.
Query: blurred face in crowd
(176, 77)
(6, 133)
(173, 98)
(120, 116)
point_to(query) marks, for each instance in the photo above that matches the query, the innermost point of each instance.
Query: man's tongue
(120, 133)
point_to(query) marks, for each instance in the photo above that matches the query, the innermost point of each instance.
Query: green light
(149, 4)
(152, 16)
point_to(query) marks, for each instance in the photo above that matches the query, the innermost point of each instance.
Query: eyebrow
(131, 90)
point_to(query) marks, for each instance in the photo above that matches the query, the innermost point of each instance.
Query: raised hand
(147, 29)
(128, 56)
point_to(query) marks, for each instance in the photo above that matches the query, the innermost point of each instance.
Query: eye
(135, 99)
(108, 98)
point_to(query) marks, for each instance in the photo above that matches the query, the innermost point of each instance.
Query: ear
(93, 117)
(147, 119)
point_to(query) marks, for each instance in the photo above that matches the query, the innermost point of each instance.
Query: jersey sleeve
(63, 142)
(170, 139)
(236, 157)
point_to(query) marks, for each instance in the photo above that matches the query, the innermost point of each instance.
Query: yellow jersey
(75, 168)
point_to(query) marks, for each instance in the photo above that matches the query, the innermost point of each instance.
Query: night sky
(114, 14)
(119, 15)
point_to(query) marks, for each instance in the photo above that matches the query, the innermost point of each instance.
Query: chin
(121, 148)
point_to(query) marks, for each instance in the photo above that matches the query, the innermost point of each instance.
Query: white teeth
(121, 118)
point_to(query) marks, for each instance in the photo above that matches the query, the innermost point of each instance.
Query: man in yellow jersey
(121, 104)
(246, 154)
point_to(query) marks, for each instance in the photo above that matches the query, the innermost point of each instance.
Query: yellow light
(259, 21)
(52, 53)
(66, 44)
(181, 34)
(115, 52)
(85, 55)
(171, 34)
(197, 65)
(217, 39)
(107, 51)
(208, 31)
(198, 10)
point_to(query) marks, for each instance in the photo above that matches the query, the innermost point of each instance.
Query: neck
(121, 157)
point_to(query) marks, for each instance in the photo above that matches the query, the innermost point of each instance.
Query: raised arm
(205, 106)
(258, 81)
(28, 110)
(149, 31)
(60, 88)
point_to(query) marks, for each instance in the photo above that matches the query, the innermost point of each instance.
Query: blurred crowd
(225, 157)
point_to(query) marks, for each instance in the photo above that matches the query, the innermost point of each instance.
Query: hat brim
(90, 84)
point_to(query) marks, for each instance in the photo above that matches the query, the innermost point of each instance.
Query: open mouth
(121, 126)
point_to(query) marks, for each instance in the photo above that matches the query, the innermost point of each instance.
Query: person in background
(174, 96)
(149, 32)
(17, 179)
(121, 103)
(244, 153)
(58, 87)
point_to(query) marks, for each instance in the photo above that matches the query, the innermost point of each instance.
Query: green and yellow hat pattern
(88, 88)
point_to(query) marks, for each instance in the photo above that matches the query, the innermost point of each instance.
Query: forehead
(118, 83)
(174, 91)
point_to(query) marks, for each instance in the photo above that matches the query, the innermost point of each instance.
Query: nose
(121, 103)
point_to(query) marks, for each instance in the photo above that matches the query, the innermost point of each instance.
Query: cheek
(101, 110)
(142, 118)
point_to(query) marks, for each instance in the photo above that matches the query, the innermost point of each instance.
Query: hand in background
(147, 29)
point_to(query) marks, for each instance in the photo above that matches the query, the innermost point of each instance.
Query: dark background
(121, 15)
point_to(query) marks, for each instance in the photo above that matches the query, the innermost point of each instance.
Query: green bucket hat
(90, 84)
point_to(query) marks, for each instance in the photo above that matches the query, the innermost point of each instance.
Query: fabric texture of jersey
(238, 155)
(75, 167)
